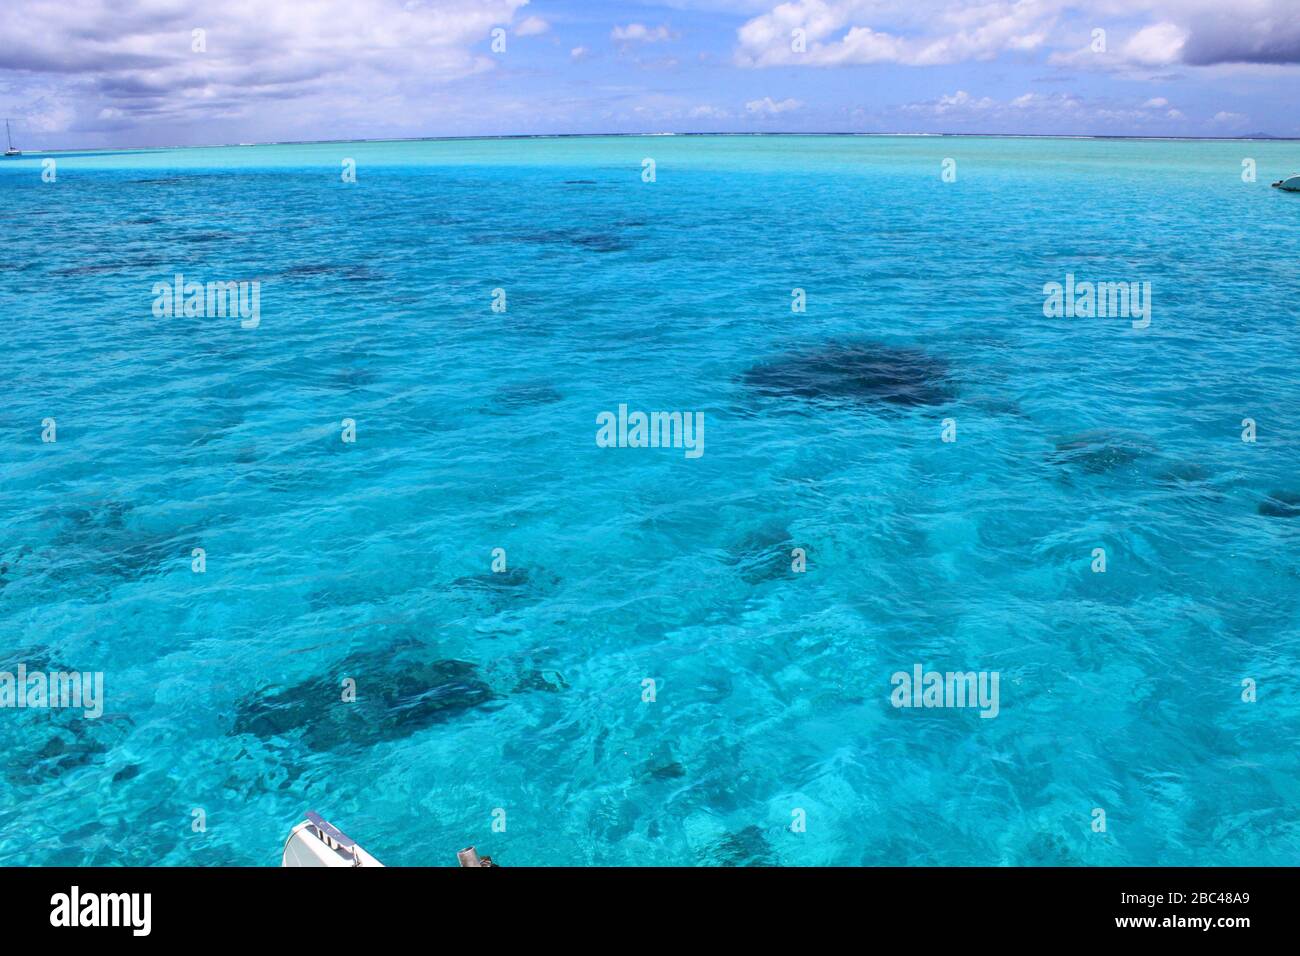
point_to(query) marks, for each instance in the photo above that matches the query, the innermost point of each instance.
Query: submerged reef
(1281, 504)
(397, 694)
(1097, 452)
(862, 372)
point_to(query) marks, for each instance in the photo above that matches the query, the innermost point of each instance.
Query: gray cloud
(933, 32)
(1246, 40)
(96, 65)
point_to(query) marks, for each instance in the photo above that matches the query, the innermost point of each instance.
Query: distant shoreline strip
(524, 136)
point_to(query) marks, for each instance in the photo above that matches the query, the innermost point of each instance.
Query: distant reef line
(1256, 137)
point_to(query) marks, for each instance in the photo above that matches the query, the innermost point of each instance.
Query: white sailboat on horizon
(11, 151)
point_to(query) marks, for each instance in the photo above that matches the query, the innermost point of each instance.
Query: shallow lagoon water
(475, 430)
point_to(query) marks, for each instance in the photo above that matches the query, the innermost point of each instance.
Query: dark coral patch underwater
(1097, 452)
(858, 372)
(45, 743)
(1281, 504)
(397, 694)
(508, 589)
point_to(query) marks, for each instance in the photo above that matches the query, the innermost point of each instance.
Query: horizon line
(1257, 137)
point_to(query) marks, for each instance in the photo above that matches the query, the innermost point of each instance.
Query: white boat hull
(311, 844)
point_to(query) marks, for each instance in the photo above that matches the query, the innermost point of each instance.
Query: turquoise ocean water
(516, 697)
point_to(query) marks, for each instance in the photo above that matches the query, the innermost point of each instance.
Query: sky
(95, 73)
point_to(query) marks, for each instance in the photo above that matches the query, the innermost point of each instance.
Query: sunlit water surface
(523, 691)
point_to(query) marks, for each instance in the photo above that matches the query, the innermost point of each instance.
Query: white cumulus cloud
(640, 33)
(531, 27)
(1157, 45)
(1149, 33)
(769, 107)
(269, 67)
